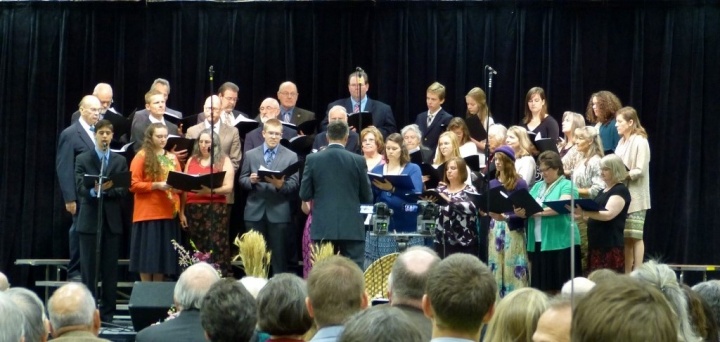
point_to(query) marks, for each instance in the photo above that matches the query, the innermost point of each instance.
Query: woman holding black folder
(605, 228)
(548, 236)
(156, 207)
(197, 207)
(402, 220)
(507, 257)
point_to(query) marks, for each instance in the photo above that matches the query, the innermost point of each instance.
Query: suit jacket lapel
(84, 136)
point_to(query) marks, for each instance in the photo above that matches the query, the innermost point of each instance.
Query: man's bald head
(554, 324)
(409, 275)
(337, 113)
(90, 109)
(193, 284)
(72, 305)
(288, 94)
(213, 106)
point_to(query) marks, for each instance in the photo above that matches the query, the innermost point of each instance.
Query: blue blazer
(430, 135)
(336, 180)
(73, 141)
(401, 220)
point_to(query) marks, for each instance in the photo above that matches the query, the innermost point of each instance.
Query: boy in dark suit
(435, 120)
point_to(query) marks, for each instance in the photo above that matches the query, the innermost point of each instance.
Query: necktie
(356, 107)
(286, 116)
(269, 156)
(92, 129)
(430, 119)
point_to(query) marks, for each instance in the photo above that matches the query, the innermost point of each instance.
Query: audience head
(624, 310)
(535, 102)
(554, 324)
(476, 102)
(104, 93)
(269, 109)
(457, 125)
(4, 283)
(281, 306)
(228, 313)
(337, 132)
(380, 324)
(516, 316)
(448, 147)
(578, 286)
(12, 321)
(358, 85)
(412, 137)
(336, 290)
(72, 307)
(496, 136)
(628, 122)
(709, 291)
(602, 107)
(193, 284)
(90, 108)
(615, 166)
(288, 94)
(601, 275)
(701, 316)
(228, 93)
(337, 113)
(459, 295)
(409, 275)
(253, 284)
(517, 138)
(213, 108)
(663, 278)
(33, 310)
(162, 86)
(372, 140)
(572, 121)
(394, 148)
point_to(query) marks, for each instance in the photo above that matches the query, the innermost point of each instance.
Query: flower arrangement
(186, 259)
(322, 251)
(253, 254)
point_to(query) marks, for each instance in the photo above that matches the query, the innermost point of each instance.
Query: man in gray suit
(267, 209)
(337, 181)
(288, 95)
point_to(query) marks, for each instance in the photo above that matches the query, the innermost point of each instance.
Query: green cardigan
(555, 234)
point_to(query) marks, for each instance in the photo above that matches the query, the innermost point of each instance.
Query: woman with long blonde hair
(516, 316)
(517, 138)
(476, 102)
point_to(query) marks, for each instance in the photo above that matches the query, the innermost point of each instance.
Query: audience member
(228, 313)
(281, 309)
(406, 286)
(37, 326)
(554, 324)
(664, 279)
(459, 297)
(381, 324)
(73, 316)
(189, 292)
(701, 316)
(709, 291)
(4, 283)
(578, 286)
(625, 310)
(12, 322)
(602, 275)
(253, 284)
(336, 291)
(516, 316)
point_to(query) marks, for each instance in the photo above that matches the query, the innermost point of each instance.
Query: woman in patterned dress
(507, 256)
(199, 205)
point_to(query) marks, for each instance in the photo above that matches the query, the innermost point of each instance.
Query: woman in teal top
(548, 234)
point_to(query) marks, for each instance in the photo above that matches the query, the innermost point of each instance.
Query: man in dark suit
(288, 95)
(121, 125)
(228, 93)
(434, 121)
(90, 163)
(189, 292)
(358, 101)
(407, 285)
(267, 209)
(155, 106)
(269, 109)
(336, 180)
(76, 139)
(337, 113)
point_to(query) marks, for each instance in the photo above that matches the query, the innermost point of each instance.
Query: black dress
(605, 238)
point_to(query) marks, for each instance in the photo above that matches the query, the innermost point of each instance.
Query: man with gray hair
(121, 125)
(269, 109)
(337, 113)
(190, 289)
(36, 324)
(406, 285)
(73, 316)
(12, 321)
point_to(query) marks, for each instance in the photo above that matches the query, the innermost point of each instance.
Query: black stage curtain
(660, 57)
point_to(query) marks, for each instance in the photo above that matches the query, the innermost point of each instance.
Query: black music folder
(522, 199)
(398, 181)
(354, 120)
(289, 171)
(185, 122)
(499, 200)
(120, 180)
(301, 144)
(545, 144)
(188, 182)
(436, 174)
(476, 128)
(180, 143)
(307, 128)
(584, 203)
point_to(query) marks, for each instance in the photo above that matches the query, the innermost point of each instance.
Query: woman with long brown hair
(537, 120)
(601, 111)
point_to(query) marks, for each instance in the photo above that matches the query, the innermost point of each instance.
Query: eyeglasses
(233, 99)
(268, 108)
(288, 94)
(544, 170)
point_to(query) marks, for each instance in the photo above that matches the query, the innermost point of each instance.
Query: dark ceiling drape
(660, 57)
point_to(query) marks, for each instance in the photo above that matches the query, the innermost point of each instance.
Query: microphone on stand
(211, 71)
(490, 70)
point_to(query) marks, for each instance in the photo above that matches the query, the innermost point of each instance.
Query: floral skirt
(210, 236)
(612, 258)
(507, 257)
(307, 243)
